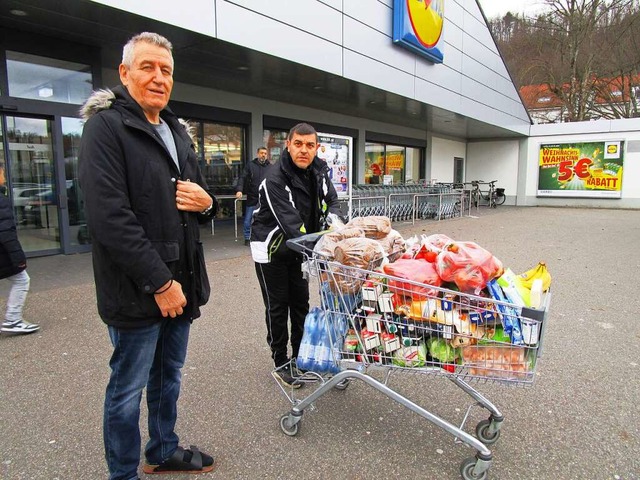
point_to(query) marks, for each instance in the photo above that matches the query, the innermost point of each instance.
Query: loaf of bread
(373, 226)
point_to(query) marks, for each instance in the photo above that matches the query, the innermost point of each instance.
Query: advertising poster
(336, 151)
(587, 169)
(417, 26)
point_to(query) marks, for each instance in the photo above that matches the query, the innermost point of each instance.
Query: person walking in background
(294, 199)
(144, 198)
(13, 267)
(252, 176)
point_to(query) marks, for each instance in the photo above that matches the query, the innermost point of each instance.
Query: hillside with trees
(583, 53)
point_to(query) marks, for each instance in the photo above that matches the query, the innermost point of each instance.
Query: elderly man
(145, 197)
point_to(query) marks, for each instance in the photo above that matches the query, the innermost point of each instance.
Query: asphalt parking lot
(581, 419)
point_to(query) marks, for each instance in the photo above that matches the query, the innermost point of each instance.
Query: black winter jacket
(12, 257)
(287, 209)
(252, 176)
(140, 239)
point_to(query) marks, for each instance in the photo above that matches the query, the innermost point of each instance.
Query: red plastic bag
(419, 271)
(468, 265)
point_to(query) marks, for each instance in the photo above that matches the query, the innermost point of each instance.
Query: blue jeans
(153, 357)
(248, 215)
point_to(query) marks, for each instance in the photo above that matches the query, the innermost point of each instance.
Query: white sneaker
(19, 327)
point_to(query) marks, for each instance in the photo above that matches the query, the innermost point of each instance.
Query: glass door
(28, 146)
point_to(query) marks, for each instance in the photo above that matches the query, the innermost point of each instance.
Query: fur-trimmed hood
(103, 99)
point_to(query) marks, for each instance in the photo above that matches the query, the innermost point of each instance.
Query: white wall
(440, 158)
(353, 39)
(496, 160)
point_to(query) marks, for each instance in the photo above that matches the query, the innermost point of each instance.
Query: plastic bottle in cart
(306, 353)
(322, 354)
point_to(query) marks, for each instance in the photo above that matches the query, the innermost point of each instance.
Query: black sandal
(189, 460)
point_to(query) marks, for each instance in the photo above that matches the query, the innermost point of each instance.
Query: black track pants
(285, 294)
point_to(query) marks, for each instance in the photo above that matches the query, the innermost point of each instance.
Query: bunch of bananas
(540, 271)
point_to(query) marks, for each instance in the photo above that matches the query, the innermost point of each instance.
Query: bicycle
(493, 197)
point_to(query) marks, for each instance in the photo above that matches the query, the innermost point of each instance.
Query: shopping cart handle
(305, 243)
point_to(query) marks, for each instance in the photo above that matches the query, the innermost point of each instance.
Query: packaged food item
(412, 356)
(393, 245)
(326, 244)
(468, 265)
(373, 226)
(419, 271)
(358, 252)
(441, 350)
(436, 241)
(497, 361)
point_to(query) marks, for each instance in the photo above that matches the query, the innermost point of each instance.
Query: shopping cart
(381, 323)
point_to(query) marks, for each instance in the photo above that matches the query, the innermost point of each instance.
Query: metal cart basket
(380, 323)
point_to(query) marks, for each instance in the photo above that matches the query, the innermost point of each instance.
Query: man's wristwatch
(208, 209)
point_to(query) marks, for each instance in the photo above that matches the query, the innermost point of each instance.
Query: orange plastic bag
(419, 271)
(468, 265)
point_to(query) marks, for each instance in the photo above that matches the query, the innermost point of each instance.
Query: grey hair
(147, 37)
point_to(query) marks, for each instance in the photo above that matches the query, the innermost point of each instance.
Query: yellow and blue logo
(417, 25)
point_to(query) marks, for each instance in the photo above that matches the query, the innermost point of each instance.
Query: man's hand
(191, 197)
(171, 300)
(238, 194)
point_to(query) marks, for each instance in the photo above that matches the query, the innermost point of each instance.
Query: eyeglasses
(309, 145)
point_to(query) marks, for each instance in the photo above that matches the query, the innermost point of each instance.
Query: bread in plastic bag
(326, 245)
(393, 245)
(359, 252)
(373, 226)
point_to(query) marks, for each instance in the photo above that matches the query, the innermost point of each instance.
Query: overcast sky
(497, 8)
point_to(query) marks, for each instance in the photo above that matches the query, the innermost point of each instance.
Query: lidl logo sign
(417, 25)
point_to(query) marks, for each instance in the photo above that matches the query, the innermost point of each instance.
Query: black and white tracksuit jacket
(287, 209)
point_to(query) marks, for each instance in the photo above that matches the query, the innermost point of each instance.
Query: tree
(586, 53)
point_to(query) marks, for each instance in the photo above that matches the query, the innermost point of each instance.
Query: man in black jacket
(295, 198)
(144, 199)
(13, 267)
(251, 178)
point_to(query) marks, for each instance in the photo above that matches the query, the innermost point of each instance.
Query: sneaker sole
(285, 384)
(11, 330)
(150, 470)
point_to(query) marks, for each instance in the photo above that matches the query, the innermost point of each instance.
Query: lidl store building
(402, 92)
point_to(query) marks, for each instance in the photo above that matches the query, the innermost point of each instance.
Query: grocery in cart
(428, 305)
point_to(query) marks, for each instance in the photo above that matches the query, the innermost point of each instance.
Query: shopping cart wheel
(466, 470)
(482, 432)
(343, 384)
(289, 426)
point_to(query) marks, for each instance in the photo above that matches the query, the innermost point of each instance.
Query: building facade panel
(376, 14)
(371, 72)
(437, 95)
(316, 17)
(369, 42)
(203, 22)
(251, 29)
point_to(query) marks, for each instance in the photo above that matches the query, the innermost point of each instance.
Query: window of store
(391, 164)
(71, 134)
(48, 79)
(220, 149)
(275, 141)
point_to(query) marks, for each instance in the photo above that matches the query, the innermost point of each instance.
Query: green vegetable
(441, 350)
(410, 356)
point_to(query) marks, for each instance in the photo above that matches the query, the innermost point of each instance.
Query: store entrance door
(27, 151)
